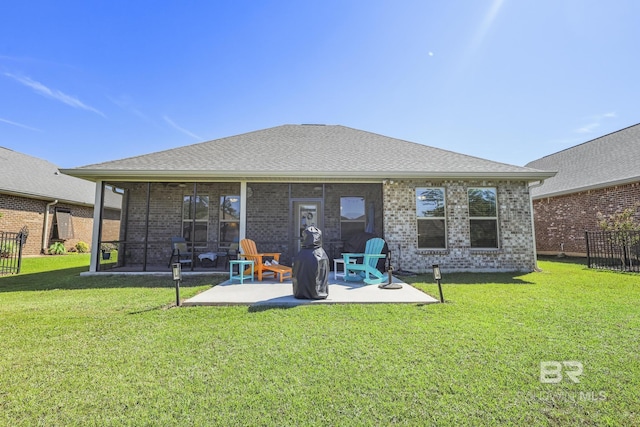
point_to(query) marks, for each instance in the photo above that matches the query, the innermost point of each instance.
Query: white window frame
(222, 220)
(422, 213)
(484, 218)
(205, 221)
(363, 221)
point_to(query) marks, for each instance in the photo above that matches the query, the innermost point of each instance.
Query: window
(352, 216)
(229, 220)
(430, 213)
(483, 217)
(198, 224)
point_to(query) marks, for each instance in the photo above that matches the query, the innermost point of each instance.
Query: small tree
(620, 221)
(624, 230)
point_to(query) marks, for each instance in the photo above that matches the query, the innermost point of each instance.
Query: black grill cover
(311, 267)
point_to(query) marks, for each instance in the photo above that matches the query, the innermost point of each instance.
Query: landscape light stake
(437, 276)
(176, 268)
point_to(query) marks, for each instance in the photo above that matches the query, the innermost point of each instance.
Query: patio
(273, 293)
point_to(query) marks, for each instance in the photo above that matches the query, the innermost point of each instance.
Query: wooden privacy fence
(613, 250)
(11, 244)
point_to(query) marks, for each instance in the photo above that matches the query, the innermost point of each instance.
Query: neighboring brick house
(430, 205)
(598, 176)
(53, 206)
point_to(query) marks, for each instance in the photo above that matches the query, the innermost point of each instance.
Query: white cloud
(480, 33)
(181, 129)
(588, 128)
(595, 122)
(43, 90)
(486, 24)
(20, 125)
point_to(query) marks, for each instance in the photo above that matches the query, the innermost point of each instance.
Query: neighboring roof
(613, 159)
(304, 152)
(26, 176)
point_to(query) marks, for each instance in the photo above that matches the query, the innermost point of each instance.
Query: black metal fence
(11, 244)
(613, 250)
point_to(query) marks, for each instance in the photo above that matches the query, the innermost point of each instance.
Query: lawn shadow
(512, 278)
(564, 259)
(261, 307)
(70, 278)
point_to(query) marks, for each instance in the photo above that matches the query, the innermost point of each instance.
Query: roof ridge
(445, 150)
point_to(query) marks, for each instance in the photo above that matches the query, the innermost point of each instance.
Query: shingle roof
(609, 160)
(31, 177)
(318, 151)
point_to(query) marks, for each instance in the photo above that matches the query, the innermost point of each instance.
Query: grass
(113, 351)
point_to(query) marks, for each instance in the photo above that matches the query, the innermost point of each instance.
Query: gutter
(44, 197)
(45, 231)
(247, 175)
(585, 188)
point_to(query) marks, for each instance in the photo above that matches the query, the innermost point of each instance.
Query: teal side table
(242, 264)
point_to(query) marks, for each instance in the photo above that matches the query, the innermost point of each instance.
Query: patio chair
(231, 253)
(180, 252)
(367, 271)
(262, 265)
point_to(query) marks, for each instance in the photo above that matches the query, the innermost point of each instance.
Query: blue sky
(83, 82)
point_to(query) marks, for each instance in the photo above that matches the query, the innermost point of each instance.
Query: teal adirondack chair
(366, 271)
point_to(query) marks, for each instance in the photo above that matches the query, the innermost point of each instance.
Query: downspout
(45, 231)
(533, 225)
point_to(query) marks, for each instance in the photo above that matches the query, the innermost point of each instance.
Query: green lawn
(114, 351)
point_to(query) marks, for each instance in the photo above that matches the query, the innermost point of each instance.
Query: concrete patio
(270, 292)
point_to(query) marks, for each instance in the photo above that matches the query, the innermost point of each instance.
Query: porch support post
(146, 228)
(193, 224)
(533, 224)
(97, 226)
(243, 209)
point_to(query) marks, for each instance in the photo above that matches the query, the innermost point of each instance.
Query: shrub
(82, 247)
(57, 248)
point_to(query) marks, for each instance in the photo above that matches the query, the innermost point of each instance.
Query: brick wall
(561, 221)
(110, 224)
(268, 215)
(269, 221)
(268, 218)
(20, 211)
(165, 218)
(515, 252)
(82, 218)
